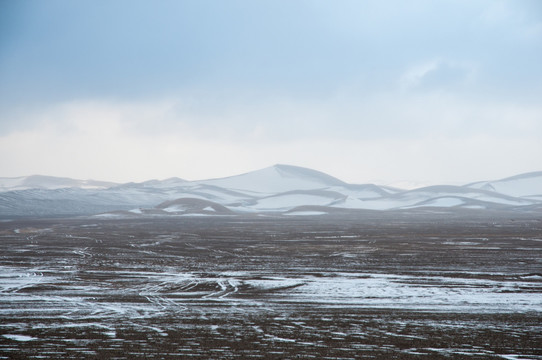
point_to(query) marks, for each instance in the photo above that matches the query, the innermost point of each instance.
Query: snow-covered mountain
(49, 182)
(527, 185)
(276, 179)
(279, 189)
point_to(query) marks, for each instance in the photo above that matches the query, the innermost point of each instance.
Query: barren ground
(363, 285)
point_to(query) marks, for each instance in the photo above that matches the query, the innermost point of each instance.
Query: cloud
(438, 74)
(364, 90)
(413, 76)
(510, 13)
(387, 137)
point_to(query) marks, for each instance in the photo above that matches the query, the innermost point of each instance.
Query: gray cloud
(240, 84)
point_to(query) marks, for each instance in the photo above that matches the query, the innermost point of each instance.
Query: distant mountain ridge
(279, 189)
(49, 182)
(523, 185)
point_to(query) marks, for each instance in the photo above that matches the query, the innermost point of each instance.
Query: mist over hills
(50, 182)
(279, 189)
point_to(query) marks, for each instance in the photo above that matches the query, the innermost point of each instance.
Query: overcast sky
(367, 91)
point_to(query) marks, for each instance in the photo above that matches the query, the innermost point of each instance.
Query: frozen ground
(401, 285)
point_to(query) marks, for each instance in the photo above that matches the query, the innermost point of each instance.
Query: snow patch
(288, 201)
(306, 213)
(19, 337)
(523, 185)
(175, 208)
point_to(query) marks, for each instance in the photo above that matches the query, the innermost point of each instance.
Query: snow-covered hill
(279, 189)
(49, 182)
(525, 185)
(276, 179)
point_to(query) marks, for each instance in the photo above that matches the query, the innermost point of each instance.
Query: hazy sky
(367, 91)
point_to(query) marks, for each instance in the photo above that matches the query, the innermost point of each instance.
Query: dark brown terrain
(382, 285)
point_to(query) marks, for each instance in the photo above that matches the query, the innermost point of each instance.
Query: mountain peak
(277, 178)
(307, 173)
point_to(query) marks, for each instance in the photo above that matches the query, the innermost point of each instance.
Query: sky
(385, 92)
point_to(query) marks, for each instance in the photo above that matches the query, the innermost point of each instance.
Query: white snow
(306, 213)
(518, 186)
(444, 202)
(218, 195)
(17, 337)
(13, 279)
(108, 215)
(288, 201)
(272, 180)
(375, 204)
(278, 188)
(49, 182)
(175, 208)
(413, 292)
(197, 215)
(532, 277)
(365, 194)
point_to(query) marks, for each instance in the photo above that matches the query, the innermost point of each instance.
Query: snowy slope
(436, 196)
(193, 206)
(524, 185)
(439, 191)
(292, 199)
(49, 182)
(164, 184)
(276, 179)
(276, 189)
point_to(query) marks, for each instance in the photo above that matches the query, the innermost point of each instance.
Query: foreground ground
(372, 285)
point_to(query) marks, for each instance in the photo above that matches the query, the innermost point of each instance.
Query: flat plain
(382, 285)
